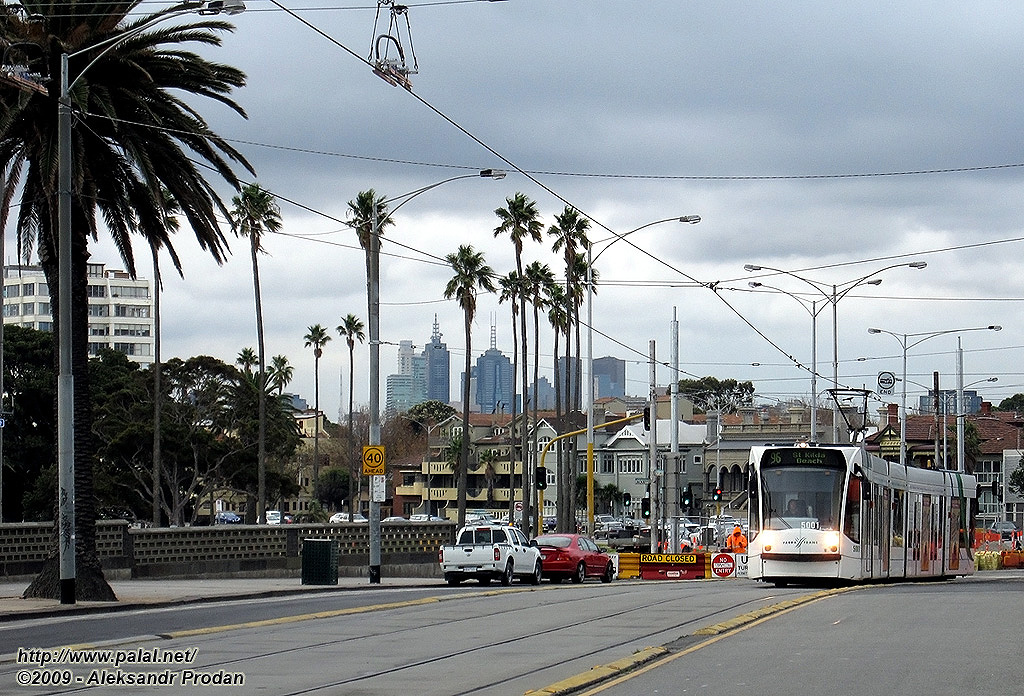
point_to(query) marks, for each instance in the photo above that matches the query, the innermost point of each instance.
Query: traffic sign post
(886, 383)
(373, 460)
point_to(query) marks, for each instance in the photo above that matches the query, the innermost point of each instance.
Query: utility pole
(652, 457)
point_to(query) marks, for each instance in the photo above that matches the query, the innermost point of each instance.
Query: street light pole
(834, 297)
(377, 483)
(813, 311)
(906, 346)
(688, 219)
(65, 379)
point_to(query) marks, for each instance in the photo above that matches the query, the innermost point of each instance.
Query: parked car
(227, 517)
(573, 556)
(607, 525)
(273, 517)
(1005, 529)
(490, 552)
(394, 518)
(339, 517)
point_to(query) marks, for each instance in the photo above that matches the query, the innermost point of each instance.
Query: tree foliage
(428, 413)
(1012, 403)
(712, 394)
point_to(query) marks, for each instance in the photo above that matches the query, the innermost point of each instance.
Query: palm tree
(253, 214)
(170, 210)
(488, 458)
(143, 79)
(558, 317)
(538, 278)
(471, 275)
(368, 208)
(511, 286)
(280, 373)
(317, 338)
(351, 328)
(576, 289)
(247, 359)
(570, 233)
(520, 219)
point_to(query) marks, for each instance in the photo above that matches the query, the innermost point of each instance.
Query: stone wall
(231, 549)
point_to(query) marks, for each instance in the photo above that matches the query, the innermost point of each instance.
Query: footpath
(133, 593)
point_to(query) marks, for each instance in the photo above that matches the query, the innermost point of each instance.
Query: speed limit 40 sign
(373, 460)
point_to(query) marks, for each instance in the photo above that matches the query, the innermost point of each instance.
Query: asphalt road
(959, 637)
(470, 642)
(914, 639)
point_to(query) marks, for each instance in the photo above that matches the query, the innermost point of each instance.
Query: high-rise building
(494, 380)
(120, 308)
(409, 387)
(610, 377)
(438, 365)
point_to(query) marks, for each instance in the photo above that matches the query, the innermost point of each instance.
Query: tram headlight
(831, 541)
(767, 539)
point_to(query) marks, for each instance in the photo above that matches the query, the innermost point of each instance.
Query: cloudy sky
(831, 140)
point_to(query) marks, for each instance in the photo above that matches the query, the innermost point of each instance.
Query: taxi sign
(373, 460)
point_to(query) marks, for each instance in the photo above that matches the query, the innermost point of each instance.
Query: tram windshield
(807, 497)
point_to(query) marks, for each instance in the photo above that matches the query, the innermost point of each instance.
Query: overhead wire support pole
(373, 330)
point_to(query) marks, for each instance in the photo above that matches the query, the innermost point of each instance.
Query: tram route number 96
(677, 558)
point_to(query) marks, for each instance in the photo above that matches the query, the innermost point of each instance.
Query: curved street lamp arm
(406, 197)
(689, 219)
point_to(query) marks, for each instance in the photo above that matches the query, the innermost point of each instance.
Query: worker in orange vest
(737, 541)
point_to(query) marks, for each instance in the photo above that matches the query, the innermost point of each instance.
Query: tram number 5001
(809, 524)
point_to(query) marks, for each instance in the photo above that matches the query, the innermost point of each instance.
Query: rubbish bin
(319, 562)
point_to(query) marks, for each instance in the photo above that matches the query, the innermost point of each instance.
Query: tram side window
(897, 518)
(851, 523)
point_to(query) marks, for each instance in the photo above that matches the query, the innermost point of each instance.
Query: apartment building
(120, 308)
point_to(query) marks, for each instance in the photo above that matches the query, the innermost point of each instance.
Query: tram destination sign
(803, 456)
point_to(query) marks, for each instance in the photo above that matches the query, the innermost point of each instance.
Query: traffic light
(647, 417)
(717, 495)
(687, 497)
(645, 508)
(627, 499)
(541, 478)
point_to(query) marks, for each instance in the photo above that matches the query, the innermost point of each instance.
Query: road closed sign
(373, 460)
(723, 565)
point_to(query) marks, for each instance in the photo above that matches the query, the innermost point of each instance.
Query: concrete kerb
(601, 673)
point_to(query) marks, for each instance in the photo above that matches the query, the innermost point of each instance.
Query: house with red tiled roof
(931, 443)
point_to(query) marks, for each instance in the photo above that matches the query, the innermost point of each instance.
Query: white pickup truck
(490, 552)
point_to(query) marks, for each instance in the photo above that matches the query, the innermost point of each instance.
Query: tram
(834, 514)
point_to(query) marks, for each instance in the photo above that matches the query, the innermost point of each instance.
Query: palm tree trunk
(316, 424)
(525, 434)
(559, 462)
(261, 446)
(536, 401)
(464, 450)
(352, 490)
(90, 584)
(157, 392)
(512, 423)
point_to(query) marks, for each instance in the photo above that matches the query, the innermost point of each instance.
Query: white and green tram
(832, 514)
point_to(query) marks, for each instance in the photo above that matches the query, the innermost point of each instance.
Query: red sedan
(573, 556)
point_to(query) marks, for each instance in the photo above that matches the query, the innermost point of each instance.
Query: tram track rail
(550, 598)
